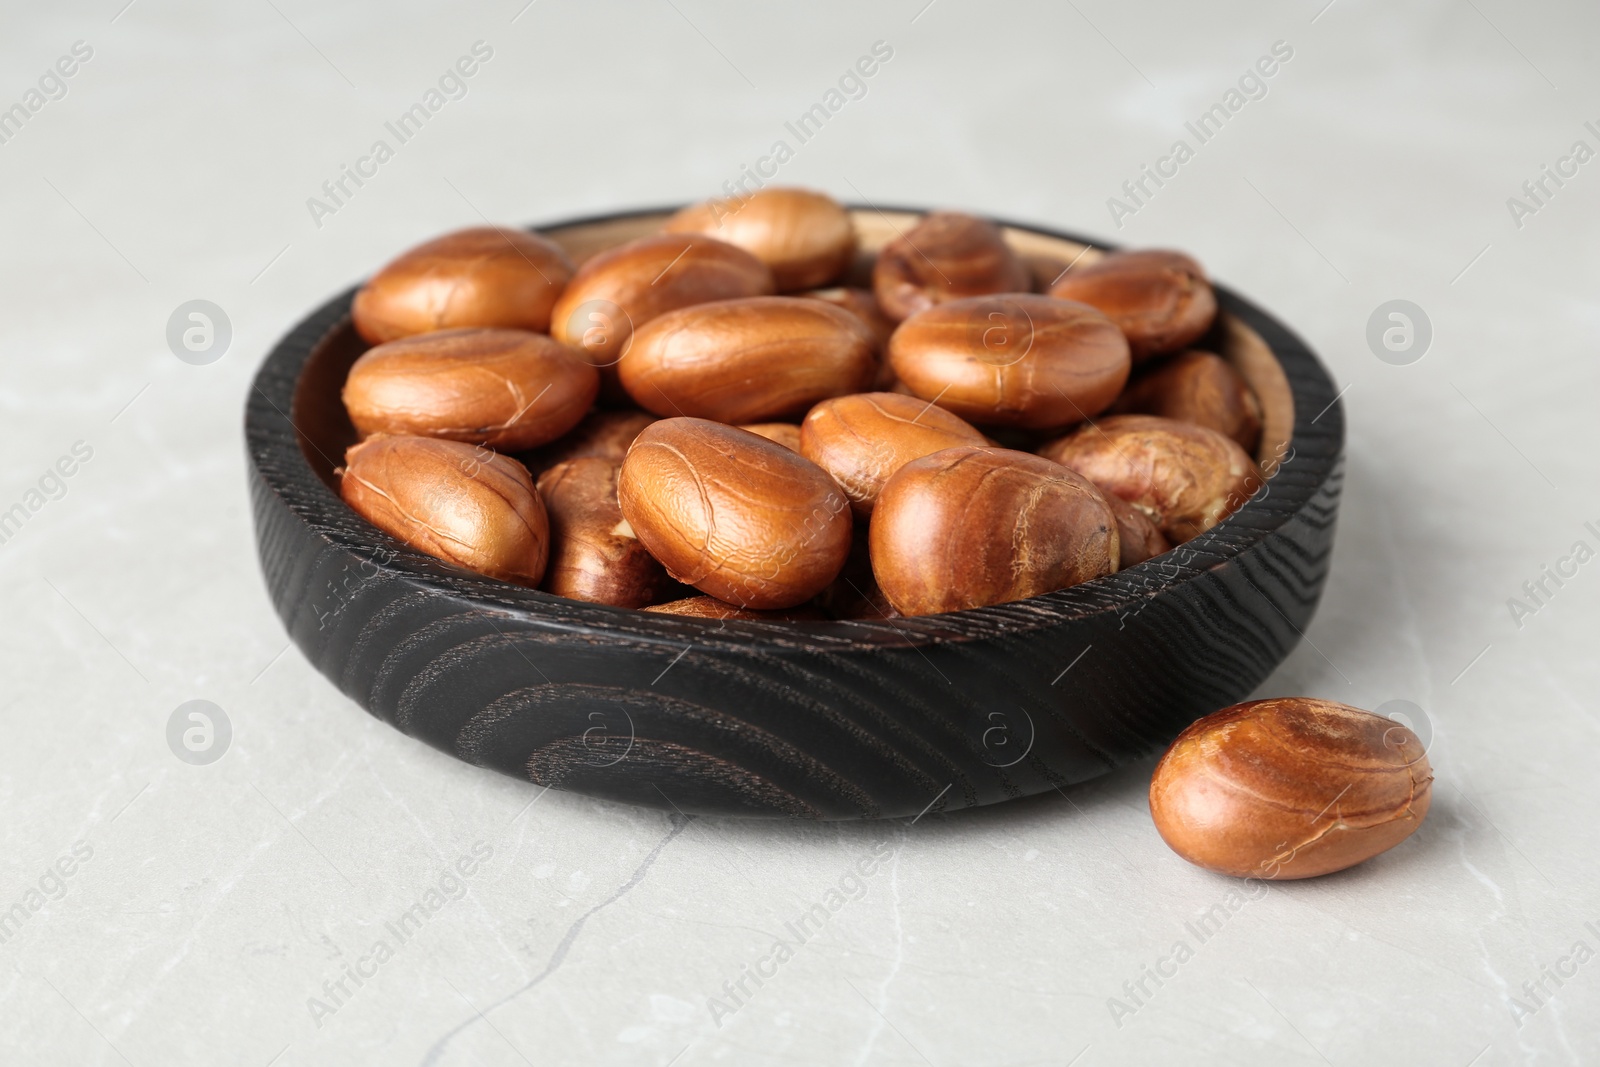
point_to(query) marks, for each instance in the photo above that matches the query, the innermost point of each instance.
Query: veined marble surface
(211, 911)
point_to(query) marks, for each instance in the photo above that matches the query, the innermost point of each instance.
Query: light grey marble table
(173, 913)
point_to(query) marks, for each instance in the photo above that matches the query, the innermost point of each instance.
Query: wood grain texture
(829, 720)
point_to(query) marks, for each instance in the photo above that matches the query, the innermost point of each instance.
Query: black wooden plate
(829, 720)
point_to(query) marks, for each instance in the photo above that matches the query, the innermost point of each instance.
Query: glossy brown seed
(864, 438)
(461, 503)
(509, 389)
(750, 360)
(622, 288)
(974, 525)
(1016, 360)
(709, 607)
(604, 432)
(594, 554)
(1137, 535)
(945, 256)
(1185, 477)
(1160, 300)
(786, 434)
(807, 238)
(733, 514)
(485, 276)
(864, 306)
(1198, 387)
(1289, 788)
